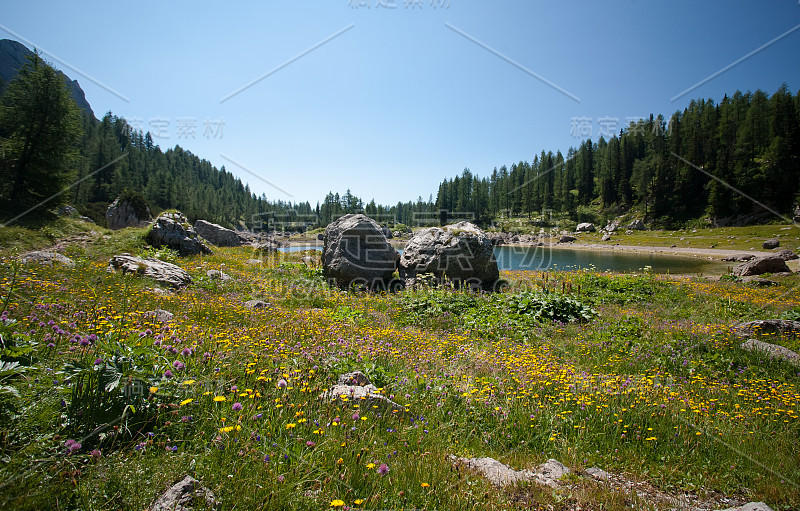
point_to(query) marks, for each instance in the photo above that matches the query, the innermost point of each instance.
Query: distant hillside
(14, 54)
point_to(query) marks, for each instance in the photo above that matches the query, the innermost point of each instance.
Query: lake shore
(710, 253)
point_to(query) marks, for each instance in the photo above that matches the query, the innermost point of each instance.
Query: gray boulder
(460, 252)
(172, 230)
(772, 351)
(585, 227)
(386, 232)
(768, 326)
(547, 474)
(750, 506)
(636, 225)
(45, 257)
(356, 387)
(786, 255)
(66, 210)
(758, 281)
(770, 244)
(760, 265)
(355, 252)
(567, 238)
(612, 226)
(156, 269)
(256, 304)
(216, 234)
(160, 315)
(606, 237)
(121, 214)
(217, 274)
(185, 495)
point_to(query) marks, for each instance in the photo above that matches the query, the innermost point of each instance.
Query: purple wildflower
(237, 407)
(383, 469)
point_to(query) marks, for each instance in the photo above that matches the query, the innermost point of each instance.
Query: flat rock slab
(156, 269)
(45, 257)
(758, 281)
(751, 506)
(772, 351)
(499, 474)
(183, 495)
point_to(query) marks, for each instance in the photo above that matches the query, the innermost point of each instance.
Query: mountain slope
(14, 55)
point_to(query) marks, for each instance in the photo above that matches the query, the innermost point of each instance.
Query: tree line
(723, 161)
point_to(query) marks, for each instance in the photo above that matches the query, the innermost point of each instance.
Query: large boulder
(768, 327)
(172, 230)
(355, 252)
(759, 265)
(460, 252)
(585, 227)
(122, 213)
(771, 243)
(156, 269)
(216, 234)
(636, 225)
(45, 257)
(185, 495)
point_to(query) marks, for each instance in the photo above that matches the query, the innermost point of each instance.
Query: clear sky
(409, 91)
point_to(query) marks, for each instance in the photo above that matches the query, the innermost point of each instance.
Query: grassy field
(636, 374)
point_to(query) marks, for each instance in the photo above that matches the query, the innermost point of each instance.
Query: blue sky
(403, 96)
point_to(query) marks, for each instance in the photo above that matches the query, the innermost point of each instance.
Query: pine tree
(41, 125)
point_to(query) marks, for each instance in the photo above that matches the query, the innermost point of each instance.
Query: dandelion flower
(337, 503)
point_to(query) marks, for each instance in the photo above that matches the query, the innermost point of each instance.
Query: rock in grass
(498, 474)
(156, 269)
(172, 230)
(606, 237)
(772, 351)
(758, 281)
(567, 238)
(184, 496)
(122, 213)
(751, 506)
(356, 252)
(160, 315)
(217, 274)
(636, 225)
(460, 252)
(356, 386)
(256, 304)
(585, 227)
(760, 265)
(45, 257)
(768, 326)
(772, 243)
(216, 234)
